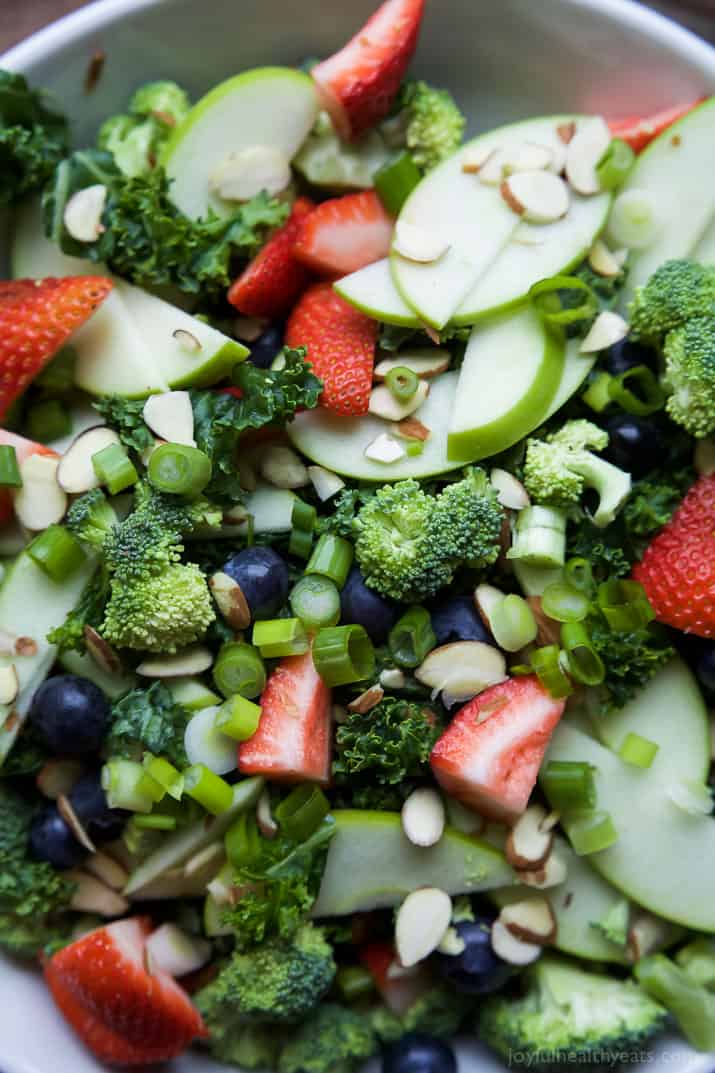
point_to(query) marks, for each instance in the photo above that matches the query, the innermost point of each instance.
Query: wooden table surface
(30, 15)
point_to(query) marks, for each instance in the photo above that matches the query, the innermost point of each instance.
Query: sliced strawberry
(344, 234)
(23, 449)
(639, 131)
(358, 84)
(489, 755)
(123, 1013)
(292, 743)
(36, 318)
(340, 341)
(273, 281)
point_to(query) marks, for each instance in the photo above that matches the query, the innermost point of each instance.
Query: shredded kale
(33, 138)
(391, 742)
(126, 417)
(148, 719)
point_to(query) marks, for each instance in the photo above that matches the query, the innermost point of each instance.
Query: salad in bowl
(357, 618)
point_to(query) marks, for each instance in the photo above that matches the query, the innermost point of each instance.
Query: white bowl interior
(504, 60)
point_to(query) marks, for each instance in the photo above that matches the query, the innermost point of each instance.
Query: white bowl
(504, 59)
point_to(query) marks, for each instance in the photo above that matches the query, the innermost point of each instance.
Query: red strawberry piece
(23, 449)
(340, 341)
(274, 279)
(344, 234)
(398, 990)
(358, 84)
(293, 740)
(639, 131)
(677, 570)
(123, 1013)
(37, 317)
(490, 754)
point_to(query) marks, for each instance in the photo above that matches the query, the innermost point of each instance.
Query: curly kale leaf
(631, 660)
(392, 742)
(147, 239)
(148, 719)
(126, 417)
(33, 138)
(342, 512)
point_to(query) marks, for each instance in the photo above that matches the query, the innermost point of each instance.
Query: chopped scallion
(343, 654)
(278, 637)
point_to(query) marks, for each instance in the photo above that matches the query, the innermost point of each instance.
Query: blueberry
(51, 840)
(634, 444)
(705, 669)
(266, 347)
(263, 577)
(457, 619)
(362, 605)
(71, 714)
(477, 970)
(418, 1053)
(89, 801)
(626, 355)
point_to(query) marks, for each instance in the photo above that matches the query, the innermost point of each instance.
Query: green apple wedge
(511, 371)
(372, 291)
(339, 443)
(676, 173)
(576, 368)
(267, 106)
(372, 864)
(664, 858)
(473, 218)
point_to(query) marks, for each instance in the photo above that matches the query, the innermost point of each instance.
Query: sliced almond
(461, 670)
(187, 340)
(192, 660)
(171, 950)
(211, 856)
(510, 949)
(552, 873)
(421, 923)
(283, 468)
(9, 684)
(93, 896)
(248, 329)
(325, 483)
(528, 845)
(170, 417)
(539, 196)
(423, 362)
(384, 404)
(532, 920)
(367, 700)
(646, 935)
(486, 599)
(602, 261)
(393, 678)
(475, 157)
(495, 168)
(230, 600)
(75, 473)
(72, 820)
(423, 817)
(566, 132)
(417, 244)
(40, 502)
(264, 817)
(107, 870)
(244, 174)
(57, 777)
(510, 492)
(608, 328)
(412, 429)
(101, 652)
(83, 213)
(585, 149)
(384, 449)
(704, 457)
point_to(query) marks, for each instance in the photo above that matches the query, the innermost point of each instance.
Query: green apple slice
(475, 220)
(267, 106)
(372, 291)
(372, 864)
(676, 171)
(34, 256)
(509, 377)
(577, 366)
(339, 443)
(664, 858)
(112, 355)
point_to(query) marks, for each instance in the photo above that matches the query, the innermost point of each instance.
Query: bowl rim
(95, 16)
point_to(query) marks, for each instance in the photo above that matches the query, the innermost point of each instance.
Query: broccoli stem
(539, 537)
(692, 1006)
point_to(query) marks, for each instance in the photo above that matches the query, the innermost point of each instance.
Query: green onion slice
(615, 165)
(412, 637)
(584, 662)
(277, 637)
(315, 600)
(210, 790)
(332, 557)
(238, 718)
(624, 605)
(570, 785)
(546, 298)
(546, 664)
(343, 654)
(302, 811)
(590, 832)
(649, 398)
(179, 469)
(638, 751)
(395, 181)
(239, 669)
(57, 552)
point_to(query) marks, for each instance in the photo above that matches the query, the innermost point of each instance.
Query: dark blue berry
(477, 970)
(71, 714)
(365, 607)
(419, 1053)
(89, 802)
(266, 347)
(627, 355)
(457, 619)
(51, 840)
(263, 577)
(705, 668)
(634, 444)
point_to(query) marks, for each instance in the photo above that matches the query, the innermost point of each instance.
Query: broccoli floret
(685, 990)
(570, 1017)
(674, 294)
(439, 1012)
(434, 123)
(332, 1040)
(91, 518)
(389, 743)
(165, 100)
(135, 140)
(275, 981)
(689, 353)
(409, 544)
(162, 613)
(248, 1046)
(559, 468)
